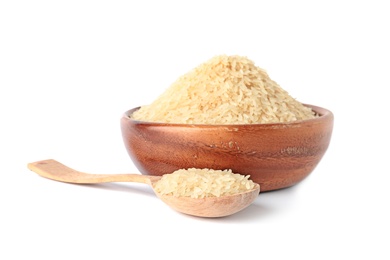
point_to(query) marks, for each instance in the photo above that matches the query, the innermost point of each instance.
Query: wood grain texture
(274, 155)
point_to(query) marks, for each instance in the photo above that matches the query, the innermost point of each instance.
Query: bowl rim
(323, 113)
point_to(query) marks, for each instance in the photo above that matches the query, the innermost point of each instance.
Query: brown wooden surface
(274, 155)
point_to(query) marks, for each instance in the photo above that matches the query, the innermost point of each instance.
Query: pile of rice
(200, 183)
(224, 90)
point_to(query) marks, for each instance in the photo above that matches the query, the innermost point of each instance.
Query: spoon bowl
(203, 207)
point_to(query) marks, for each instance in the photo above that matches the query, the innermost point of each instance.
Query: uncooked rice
(200, 183)
(224, 90)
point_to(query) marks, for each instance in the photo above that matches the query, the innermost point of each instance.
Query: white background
(69, 69)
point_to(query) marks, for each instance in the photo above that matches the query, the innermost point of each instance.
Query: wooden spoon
(204, 207)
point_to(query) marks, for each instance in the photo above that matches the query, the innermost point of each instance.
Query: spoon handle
(54, 170)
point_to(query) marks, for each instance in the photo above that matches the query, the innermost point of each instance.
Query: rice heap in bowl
(224, 90)
(200, 183)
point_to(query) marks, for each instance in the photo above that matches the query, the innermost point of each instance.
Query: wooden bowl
(274, 155)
